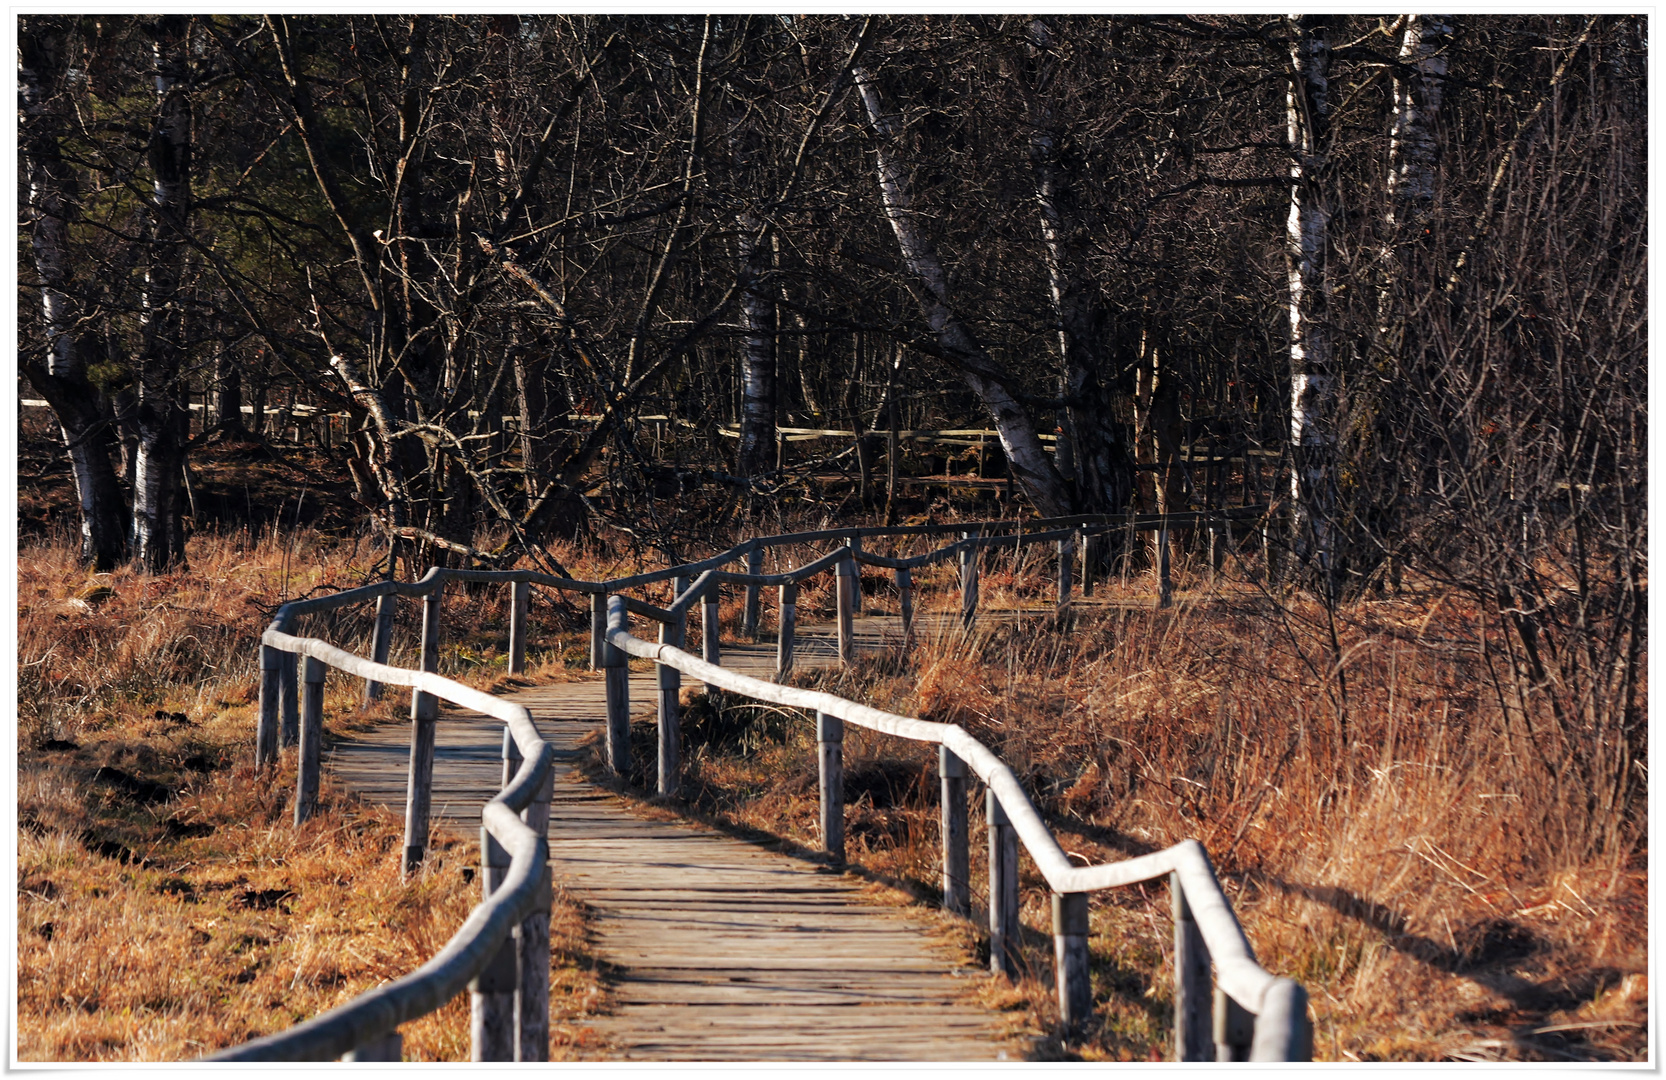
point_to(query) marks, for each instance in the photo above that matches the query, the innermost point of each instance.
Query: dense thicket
(1407, 256)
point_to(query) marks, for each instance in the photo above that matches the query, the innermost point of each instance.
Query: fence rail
(501, 953)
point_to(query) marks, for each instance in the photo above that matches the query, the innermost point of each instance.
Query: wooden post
(1070, 957)
(1220, 542)
(784, 641)
(711, 633)
(1003, 890)
(492, 992)
(1192, 1026)
(618, 692)
(1165, 586)
(381, 640)
(957, 875)
(520, 600)
(532, 994)
(830, 753)
(288, 696)
(749, 617)
(1282, 1029)
(905, 593)
(389, 1047)
(598, 630)
(425, 710)
(312, 739)
(1090, 551)
(1234, 1028)
(670, 718)
(849, 597)
(968, 582)
(266, 729)
(1067, 560)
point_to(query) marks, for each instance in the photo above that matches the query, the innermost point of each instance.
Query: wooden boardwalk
(722, 949)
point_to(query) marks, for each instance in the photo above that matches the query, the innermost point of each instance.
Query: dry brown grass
(166, 905)
(1392, 849)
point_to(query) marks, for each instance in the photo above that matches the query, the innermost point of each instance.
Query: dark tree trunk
(62, 378)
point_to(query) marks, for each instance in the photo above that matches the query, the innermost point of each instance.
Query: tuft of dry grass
(1389, 846)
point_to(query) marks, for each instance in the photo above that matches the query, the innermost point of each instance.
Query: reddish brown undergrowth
(167, 907)
(1414, 858)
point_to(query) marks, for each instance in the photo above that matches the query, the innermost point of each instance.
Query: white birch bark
(1025, 456)
(1413, 151)
(757, 308)
(158, 534)
(1314, 404)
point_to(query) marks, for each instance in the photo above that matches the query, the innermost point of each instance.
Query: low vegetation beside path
(1441, 893)
(167, 906)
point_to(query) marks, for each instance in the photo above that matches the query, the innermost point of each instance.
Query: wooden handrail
(478, 944)
(1280, 1004)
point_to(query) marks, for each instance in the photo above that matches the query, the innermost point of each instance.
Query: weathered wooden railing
(515, 877)
(501, 953)
(1252, 1015)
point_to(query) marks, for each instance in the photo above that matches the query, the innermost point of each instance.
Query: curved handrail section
(486, 932)
(516, 871)
(1238, 973)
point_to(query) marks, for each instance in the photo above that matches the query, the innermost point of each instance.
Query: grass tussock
(1400, 844)
(167, 907)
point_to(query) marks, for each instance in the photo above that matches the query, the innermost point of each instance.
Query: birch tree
(1025, 457)
(1314, 388)
(159, 414)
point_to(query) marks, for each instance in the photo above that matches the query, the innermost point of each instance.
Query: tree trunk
(228, 393)
(1092, 453)
(1314, 391)
(158, 415)
(1025, 457)
(62, 379)
(757, 308)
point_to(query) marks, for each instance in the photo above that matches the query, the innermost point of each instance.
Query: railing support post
(1192, 1027)
(1234, 1028)
(598, 630)
(520, 597)
(1089, 546)
(905, 594)
(1070, 957)
(1165, 584)
(830, 754)
(670, 719)
(1282, 1030)
(849, 596)
(968, 582)
(425, 710)
(492, 992)
(381, 640)
(784, 640)
(711, 633)
(1220, 542)
(957, 874)
(266, 729)
(532, 936)
(749, 616)
(312, 739)
(618, 692)
(1003, 890)
(288, 694)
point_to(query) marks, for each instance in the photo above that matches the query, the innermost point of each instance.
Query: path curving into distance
(719, 949)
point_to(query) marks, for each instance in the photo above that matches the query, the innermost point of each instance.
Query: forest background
(565, 280)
